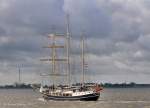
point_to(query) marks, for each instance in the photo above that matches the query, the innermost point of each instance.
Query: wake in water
(42, 99)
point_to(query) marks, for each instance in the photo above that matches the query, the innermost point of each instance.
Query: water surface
(110, 98)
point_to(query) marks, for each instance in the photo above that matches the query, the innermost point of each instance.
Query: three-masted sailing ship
(83, 91)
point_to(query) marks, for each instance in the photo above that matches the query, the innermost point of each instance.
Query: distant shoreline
(16, 86)
(125, 85)
(104, 85)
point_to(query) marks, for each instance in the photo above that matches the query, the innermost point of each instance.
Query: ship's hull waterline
(88, 97)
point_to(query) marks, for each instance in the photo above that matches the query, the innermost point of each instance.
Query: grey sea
(110, 98)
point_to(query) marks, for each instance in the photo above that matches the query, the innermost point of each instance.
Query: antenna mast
(19, 79)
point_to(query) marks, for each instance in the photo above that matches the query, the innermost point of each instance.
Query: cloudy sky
(117, 36)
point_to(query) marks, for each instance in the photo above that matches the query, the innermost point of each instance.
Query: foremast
(53, 47)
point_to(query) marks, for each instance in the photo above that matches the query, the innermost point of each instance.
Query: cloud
(88, 17)
(116, 31)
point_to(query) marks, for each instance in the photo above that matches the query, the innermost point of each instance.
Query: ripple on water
(110, 98)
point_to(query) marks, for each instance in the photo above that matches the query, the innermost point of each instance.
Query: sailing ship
(82, 91)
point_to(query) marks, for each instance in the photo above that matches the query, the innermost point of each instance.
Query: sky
(117, 34)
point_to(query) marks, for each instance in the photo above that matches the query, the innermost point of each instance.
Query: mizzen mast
(83, 60)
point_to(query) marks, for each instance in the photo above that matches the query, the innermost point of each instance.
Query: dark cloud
(88, 17)
(33, 16)
(117, 35)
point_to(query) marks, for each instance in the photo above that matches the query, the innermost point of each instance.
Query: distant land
(16, 86)
(105, 85)
(125, 85)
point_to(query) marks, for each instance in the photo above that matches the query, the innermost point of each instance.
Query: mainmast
(68, 49)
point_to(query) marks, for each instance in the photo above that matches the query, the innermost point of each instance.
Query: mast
(54, 46)
(68, 49)
(53, 58)
(53, 52)
(83, 60)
